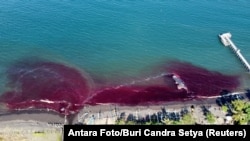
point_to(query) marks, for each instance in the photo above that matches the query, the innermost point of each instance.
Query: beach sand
(107, 114)
(38, 125)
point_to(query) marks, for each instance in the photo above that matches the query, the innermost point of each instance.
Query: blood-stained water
(46, 85)
(54, 86)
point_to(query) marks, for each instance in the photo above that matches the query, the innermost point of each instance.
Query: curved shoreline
(50, 116)
(108, 113)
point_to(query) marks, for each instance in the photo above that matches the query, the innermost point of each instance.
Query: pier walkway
(226, 40)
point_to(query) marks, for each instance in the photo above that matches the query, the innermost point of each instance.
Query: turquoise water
(116, 38)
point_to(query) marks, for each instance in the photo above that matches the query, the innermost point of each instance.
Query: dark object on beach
(197, 123)
(184, 111)
(131, 117)
(248, 93)
(192, 106)
(122, 116)
(205, 110)
(219, 102)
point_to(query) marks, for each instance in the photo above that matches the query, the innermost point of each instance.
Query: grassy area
(35, 136)
(210, 118)
(224, 108)
(241, 112)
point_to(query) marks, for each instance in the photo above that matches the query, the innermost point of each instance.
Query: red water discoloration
(138, 95)
(32, 82)
(201, 81)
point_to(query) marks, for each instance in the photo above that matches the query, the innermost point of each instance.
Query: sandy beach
(39, 125)
(107, 114)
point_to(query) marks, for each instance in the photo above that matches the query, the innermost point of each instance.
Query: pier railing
(226, 41)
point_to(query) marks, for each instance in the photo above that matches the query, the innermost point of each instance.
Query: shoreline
(109, 113)
(42, 124)
(106, 111)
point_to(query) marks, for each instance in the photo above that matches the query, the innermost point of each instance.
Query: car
(233, 97)
(184, 111)
(240, 97)
(219, 102)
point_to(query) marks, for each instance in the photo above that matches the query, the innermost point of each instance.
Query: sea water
(122, 40)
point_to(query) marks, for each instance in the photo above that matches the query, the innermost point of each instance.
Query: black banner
(200, 132)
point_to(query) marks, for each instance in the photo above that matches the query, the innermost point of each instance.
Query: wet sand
(107, 112)
(50, 116)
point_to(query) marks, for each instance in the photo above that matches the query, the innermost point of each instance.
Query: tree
(240, 117)
(176, 122)
(210, 117)
(188, 119)
(224, 108)
(247, 110)
(131, 122)
(241, 112)
(167, 121)
(120, 122)
(239, 105)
